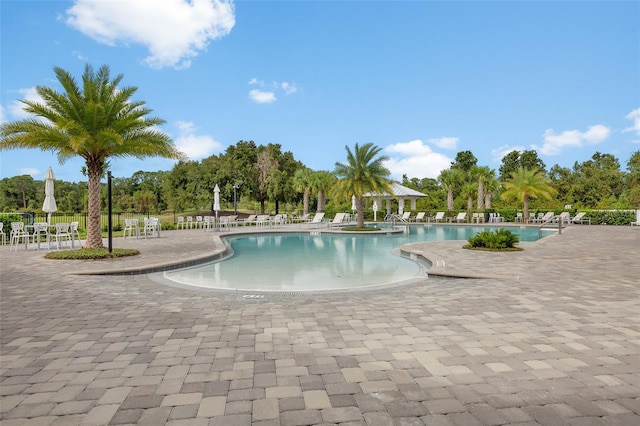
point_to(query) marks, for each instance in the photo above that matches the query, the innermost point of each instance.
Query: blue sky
(421, 79)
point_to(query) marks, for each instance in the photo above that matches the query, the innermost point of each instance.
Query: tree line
(267, 179)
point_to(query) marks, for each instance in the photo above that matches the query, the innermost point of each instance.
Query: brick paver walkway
(553, 338)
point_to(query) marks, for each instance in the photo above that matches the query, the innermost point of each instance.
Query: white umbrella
(353, 203)
(49, 205)
(375, 210)
(216, 199)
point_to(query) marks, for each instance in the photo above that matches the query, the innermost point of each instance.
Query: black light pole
(109, 227)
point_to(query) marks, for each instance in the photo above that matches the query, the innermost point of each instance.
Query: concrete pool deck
(553, 338)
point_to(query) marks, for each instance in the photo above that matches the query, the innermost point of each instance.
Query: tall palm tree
(525, 184)
(322, 181)
(450, 180)
(302, 183)
(96, 121)
(363, 172)
(482, 175)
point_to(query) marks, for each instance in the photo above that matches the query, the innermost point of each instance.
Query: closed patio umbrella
(49, 205)
(216, 199)
(353, 203)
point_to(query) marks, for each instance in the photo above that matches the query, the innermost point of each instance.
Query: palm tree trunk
(450, 199)
(487, 200)
(321, 201)
(305, 202)
(480, 196)
(360, 211)
(94, 232)
(525, 199)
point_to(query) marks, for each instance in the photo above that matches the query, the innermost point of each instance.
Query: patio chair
(477, 218)
(317, 220)
(438, 217)
(406, 216)
(180, 223)
(198, 223)
(130, 227)
(189, 222)
(419, 217)
(636, 223)
(74, 230)
(249, 220)
(62, 234)
(462, 217)
(579, 218)
(338, 220)
(18, 231)
(4, 236)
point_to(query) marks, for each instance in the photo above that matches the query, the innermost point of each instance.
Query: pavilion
(399, 193)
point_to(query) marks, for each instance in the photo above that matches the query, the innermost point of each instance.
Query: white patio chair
(438, 217)
(62, 234)
(180, 223)
(198, 223)
(189, 222)
(4, 236)
(18, 231)
(74, 230)
(151, 227)
(40, 229)
(131, 227)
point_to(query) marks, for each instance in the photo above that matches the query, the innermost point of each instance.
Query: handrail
(550, 220)
(393, 218)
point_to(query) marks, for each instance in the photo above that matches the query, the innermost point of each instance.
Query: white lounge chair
(338, 220)
(419, 217)
(438, 217)
(462, 216)
(406, 216)
(317, 220)
(477, 218)
(579, 218)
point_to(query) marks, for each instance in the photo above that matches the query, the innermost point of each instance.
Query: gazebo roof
(398, 191)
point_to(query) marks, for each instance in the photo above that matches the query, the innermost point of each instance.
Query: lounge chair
(565, 217)
(419, 217)
(249, 220)
(406, 216)
(438, 217)
(462, 216)
(338, 220)
(316, 221)
(579, 218)
(304, 218)
(477, 218)
(545, 218)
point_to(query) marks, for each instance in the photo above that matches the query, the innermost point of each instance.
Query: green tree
(525, 184)
(302, 183)
(483, 175)
(362, 173)
(514, 159)
(451, 180)
(321, 182)
(464, 161)
(95, 121)
(632, 191)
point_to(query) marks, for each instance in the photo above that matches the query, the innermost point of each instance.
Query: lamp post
(109, 211)
(235, 199)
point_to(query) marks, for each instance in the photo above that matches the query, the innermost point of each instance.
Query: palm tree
(363, 172)
(483, 176)
(450, 180)
(302, 183)
(95, 121)
(322, 181)
(525, 184)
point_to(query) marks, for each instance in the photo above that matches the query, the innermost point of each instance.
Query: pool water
(322, 261)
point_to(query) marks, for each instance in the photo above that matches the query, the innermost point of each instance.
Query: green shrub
(501, 239)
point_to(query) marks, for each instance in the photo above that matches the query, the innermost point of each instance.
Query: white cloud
(16, 108)
(174, 31)
(554, 143)
(635, 117)
(288, 88)
(498, 153)
(415, 159)
(262, 97)
(266, 93)
(194, 146)
(445, 142)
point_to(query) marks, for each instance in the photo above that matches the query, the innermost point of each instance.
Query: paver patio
(552, 338)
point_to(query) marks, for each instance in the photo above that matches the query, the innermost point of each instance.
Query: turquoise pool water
(321, 261)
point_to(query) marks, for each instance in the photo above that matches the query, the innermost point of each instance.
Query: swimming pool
(321, 261)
